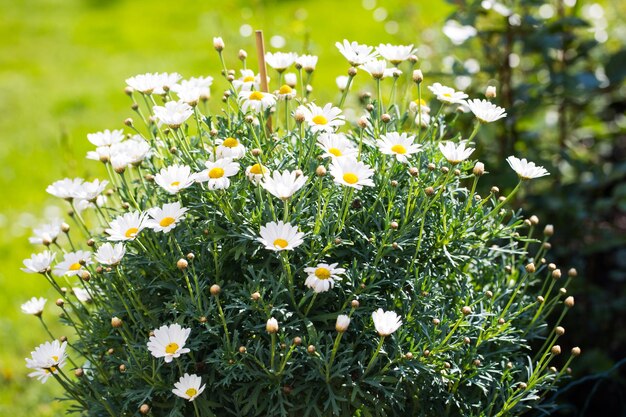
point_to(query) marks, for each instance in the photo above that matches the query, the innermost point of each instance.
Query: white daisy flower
(399, 144)
(526, 170)
(419, 104)
(82, 294)
(107, 254)
(81, 204)
(34, 306)
(173, 113)
(46, 360)
(168, 342)
(106, 137)
(352, 173)
(193, 90)
(153, 83)
(485, 111)
(356, 54)
(126, 226)
(280, 61)
(91, 190)
(395, 53)
(375, 68)
(455, 153)
(280, 236)
(447, 94)
(322, 277)
(336, 146)
(392, 72)
(248, 81)
(256, 172)
(38, 263)
(323, 119)
(46, 233)
(189, 387)
(102, 154)
(285, 92)
(342, 82)
(342, 323)
(457, 32)
(230, 148)
(135, 150)
(424, 119)
(174, 178)
(217, 173)
(386, 322)
(256, 101)
(163, 219)
(283, 184)
(73, 263)
(307, 62)
(66, 188)
(291, 79)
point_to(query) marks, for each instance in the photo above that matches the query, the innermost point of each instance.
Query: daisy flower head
(230, 148)
(256, 101)
(174, 178)
(336, 145)
(280, 236)
(193, 90)
(283, 184)
(322, 277)
(106, 137)
(395, 53)
(168, 342)
(46, 233)
(255, 173)
(189, 387)
(342, 82)
(323, 119)
(285, 92)
(485, 111)
(419, 105)
(46, 360)
(135, 150)
(526, 170)
(355, 53)
(386, 322)
(455, 153)
(173, 113)
(91, 190)
(82, 294)
(447, 95)
(217, 173)
(163, 219)
(307, 62)
(73, 263)
(280, 61)
(66, 188)
(376, 68)
(248, 81)
(400, 145)
(107, 254)
(157, 83)
(422, 119)
(342, 323)
(126, 226)
(34, 306)
(351, 173)
(38, 263)
(291, 79)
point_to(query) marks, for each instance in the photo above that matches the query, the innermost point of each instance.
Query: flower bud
(215, 290)
(242, 349)
(436, 322)
(562, 291)
(431, 166)
(522, 385)
(501, 321)
(418, 77)
(144, 409)
(445, 170)
(576, 351)
(79, 372)
(352, 71)
(320, 171)
(343, 321)
(476, 362)
(297, 340)
(572, 273)
(466, 340)
(191, 256)
(394, 225)
(65, 228)
(530, 268)
(569, 302)
(256, 296)
(430, 191)
(311, 349)
(560, 331)
(242, 55)
(479, 169)
(218, 44)
(362, 122)
(116, 322)
(488, 294)
(551, 266)
(414, 172)
(556, 350)
(122, 368)
(540, 299)
(491, 92)
(534, 220)
(494, 190)
(85, 276)
(59, 302)
(385, 118)
(182, 264)
(355, 304)
(556, 274)
(272, 326)
(548, 230)
(408, 356)
(466, 310)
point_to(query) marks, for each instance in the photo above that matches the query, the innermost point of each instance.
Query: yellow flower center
(248, 79)
(322, 273)
(334, 151)
(281, 243)
(56, 358)
(350, 178)
(319, 120)
(132, 232)
(166, 221)
(421, 102)
(448, 95)
(285, 89)
(171, 348)
(52, 369)
(398, 149)
(216, 172)
(257, 169)
(75, 266)
(175, 184)
(191, 392)
(230, 142)
(256, 95)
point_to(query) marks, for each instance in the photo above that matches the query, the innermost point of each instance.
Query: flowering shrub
(276, 259)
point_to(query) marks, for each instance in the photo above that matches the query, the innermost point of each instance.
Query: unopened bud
(522, 385)
(79, 372)
(116, 322)
(431, 166)
(467, 340)
(65, 228)
(355, 304)
(59, 302)
(466, 311)
(352, 71)
(342, 323)
(426, 353)
(569, 302)
(534, 220)
(297, 340)
(556, 350)
(540, 299)
(445, 170)
(560, 331)
(310, 349)
(408, 356)
(144, 409)
(530, 268)
(414, 172)
(385, 118)
(576, 351)
(85, 276)
(556, 274)
(122, 368)
(494, 190)
(476, 362)
(479, 169)
(572, 273)
(488, 294)
(182, 264)
(548, 230)
(256, 296)
(242, 55)
(362, 122)
(501, 321)
(491, 92)
(418, 76)
(215, 290)
(436, 322)
(394, 183)
(394, 225)
(272, 325)
(320, 171)
(430, 191)
(242, 349)
(218, 44)
(191, 256)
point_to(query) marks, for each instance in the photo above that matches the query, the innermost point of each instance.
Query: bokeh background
(559, 67)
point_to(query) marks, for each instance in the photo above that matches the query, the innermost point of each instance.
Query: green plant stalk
(223, 319)
(375, 355)
(345, 91)
(333, 354)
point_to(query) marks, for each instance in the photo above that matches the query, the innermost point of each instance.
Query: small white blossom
(34, 306)
(107, 254)
(283, 184)
(386, 322)
(280, 236)
(189, 387)
(168, 342)
(455, 153)
(526, 170)
(355, 53)
(173, 113)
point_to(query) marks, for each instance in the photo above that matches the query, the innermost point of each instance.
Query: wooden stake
(260, 50)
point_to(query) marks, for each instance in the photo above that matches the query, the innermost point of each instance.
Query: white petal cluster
(386, 322)
(307, 62)
(163, 219)
(280, 61)
(66, 188)
(46, 360)
(336, 145)
(457, 32)
(283, 184)
(173, 113)
(401, 145)
(355, 53)
(485, 111)
(34, 306)
(395, 53)
(375, 68)
(322, 277)
(107, 254)
(126, 226)
(157, 83)
(38, 263)
(351, 173)
(189, 387)
(447, 95)
(46, 234)
(455, 153)
(73, 263)
(193, 90)
(322, 119)
(526, 170)
(174, 178)
(280, 236)
(217, 173)
(256, 101)
(168, 342)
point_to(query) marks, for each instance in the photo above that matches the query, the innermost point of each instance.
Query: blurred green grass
(62, 69)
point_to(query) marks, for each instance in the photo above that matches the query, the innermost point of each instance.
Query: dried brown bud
(530, 268)
(182, 264)
(352, 71)
(59, 302)
(445, 170)
(385, 118)
(430, 191)
(116, 322)
(414, 172)
(215, 290)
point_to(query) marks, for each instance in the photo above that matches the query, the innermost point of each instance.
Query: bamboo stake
(260, 49)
